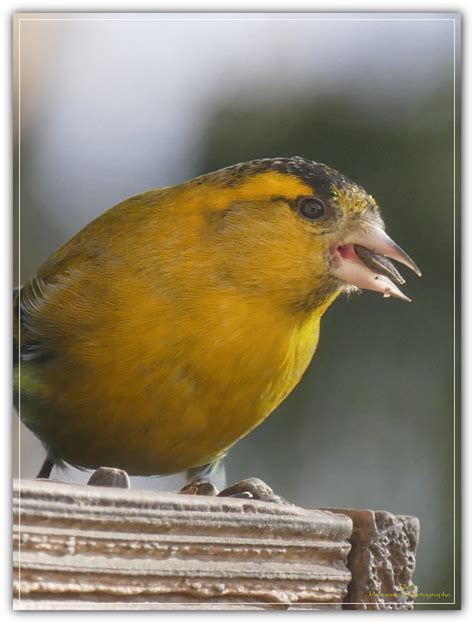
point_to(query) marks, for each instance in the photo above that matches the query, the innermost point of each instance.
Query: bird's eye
(311, 208)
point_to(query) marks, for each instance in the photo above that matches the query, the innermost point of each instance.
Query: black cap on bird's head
(316, 175)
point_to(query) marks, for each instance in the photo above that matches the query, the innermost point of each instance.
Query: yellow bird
(176, 322)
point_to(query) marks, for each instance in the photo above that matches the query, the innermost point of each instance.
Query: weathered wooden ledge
(85, 547)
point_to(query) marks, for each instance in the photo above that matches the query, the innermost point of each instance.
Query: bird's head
(297, 231)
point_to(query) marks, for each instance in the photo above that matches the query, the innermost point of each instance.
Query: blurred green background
(113, 108)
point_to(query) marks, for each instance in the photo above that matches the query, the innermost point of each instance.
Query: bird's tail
(16, 342)
(16, 324)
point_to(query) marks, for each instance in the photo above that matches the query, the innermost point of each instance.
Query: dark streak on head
(318, 176)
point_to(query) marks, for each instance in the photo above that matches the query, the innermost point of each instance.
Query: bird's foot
(199, 487)
(253, 489)
(249, 489)
(110, 477)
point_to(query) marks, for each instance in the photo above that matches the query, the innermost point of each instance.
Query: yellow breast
(169, 391)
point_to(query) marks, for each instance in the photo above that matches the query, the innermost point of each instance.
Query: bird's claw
(110, 477)
(249, 489)
(253, 489)
(199, 487)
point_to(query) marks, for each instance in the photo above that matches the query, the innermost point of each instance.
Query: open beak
(362, 261)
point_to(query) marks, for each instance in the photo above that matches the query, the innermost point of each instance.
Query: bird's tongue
(378, 263)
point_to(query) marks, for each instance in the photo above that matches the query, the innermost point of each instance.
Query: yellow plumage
(177, 321)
